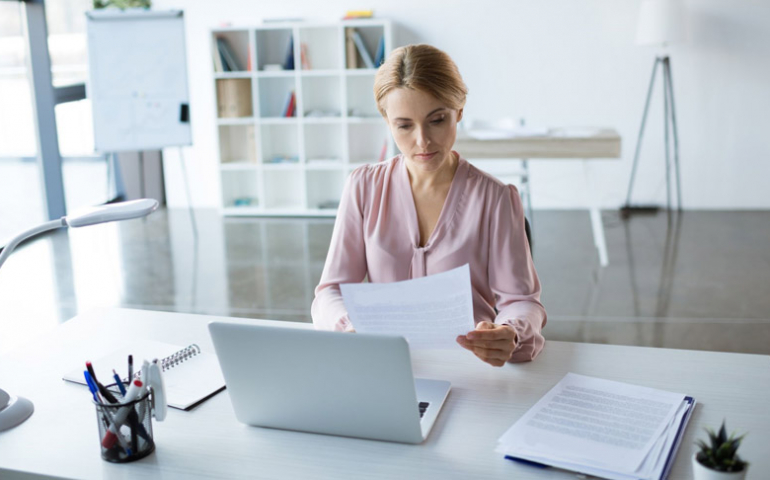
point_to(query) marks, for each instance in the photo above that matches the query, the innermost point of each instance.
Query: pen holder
(125, 429)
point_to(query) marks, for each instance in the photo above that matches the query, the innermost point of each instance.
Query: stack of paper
(602, 428)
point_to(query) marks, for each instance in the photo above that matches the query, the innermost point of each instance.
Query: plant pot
(701, 472)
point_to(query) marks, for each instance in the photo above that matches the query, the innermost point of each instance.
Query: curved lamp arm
(88, 216)
(14, 410)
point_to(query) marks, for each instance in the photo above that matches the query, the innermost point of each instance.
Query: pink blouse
(482, 223)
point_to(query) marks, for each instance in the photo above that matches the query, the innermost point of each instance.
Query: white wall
(556, 63)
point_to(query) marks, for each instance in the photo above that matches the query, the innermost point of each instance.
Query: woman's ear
(459, 115)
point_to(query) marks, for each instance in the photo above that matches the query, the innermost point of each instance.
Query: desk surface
(604, 144)
(60, 438)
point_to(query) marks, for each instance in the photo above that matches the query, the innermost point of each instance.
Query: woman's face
(424, 128)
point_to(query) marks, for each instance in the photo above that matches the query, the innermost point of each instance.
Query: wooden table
(559, 143)
(60, 439)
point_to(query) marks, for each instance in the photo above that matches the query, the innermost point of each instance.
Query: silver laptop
(348, 384)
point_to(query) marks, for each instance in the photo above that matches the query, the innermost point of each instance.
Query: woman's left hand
(490, 342)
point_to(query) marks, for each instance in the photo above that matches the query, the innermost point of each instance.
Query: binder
(191, 376)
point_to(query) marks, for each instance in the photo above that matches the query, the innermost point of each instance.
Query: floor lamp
(660, 24)
(14, 409)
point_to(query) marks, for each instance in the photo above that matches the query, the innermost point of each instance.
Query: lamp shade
(661, 22)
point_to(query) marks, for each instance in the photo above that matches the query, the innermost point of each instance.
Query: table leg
(596, 217)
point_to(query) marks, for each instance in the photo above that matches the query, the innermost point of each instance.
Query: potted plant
(718, 459)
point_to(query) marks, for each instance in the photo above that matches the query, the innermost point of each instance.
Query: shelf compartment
(322, 97)
(284, 189)
(234, 98)
(370, 36)
(323, 142)
(279, 144)
(237, 144)
(324, 188)
(366, 142)
(240, 188)
(360, 98)
(273, 46)
(321, 48)
(232, 46)
(274, 94)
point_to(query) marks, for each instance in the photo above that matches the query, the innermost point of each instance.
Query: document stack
(602, 428)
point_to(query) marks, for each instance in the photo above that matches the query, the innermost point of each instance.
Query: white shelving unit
(270, 164)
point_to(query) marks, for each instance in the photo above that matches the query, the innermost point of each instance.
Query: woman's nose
(422, 138)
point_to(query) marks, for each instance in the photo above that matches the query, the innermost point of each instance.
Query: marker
(130, 368)
(120, 418)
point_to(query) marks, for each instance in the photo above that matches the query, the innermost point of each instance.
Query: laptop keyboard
(423, 407)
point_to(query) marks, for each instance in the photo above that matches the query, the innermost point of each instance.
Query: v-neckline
(447, 210)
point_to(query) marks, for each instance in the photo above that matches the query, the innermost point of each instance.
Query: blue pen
(119, 382)
(91, 385)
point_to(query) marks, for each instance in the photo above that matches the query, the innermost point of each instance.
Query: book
(362, 49)
(290, 105)
(288, 64)
(353, 14)
(350, 49)
(216, 56)
(191, 376)
(304, 58)
(602, 428)
(228, 54)
(379, 57)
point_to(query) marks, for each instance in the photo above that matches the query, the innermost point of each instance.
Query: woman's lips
(425, 156)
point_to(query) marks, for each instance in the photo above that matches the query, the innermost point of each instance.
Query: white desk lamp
(14, 410)
(661, 23)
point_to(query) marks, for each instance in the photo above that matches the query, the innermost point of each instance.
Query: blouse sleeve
(513, 278)
(346, 260)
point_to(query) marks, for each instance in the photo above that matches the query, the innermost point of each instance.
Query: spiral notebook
(191, 376)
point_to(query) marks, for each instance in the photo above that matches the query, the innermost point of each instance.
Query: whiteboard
(138, 79)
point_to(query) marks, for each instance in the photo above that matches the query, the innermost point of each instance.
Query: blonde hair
(420, 67)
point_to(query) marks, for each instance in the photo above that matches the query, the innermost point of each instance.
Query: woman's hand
(492, 343)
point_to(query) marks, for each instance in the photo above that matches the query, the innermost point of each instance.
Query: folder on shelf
(216, 56)
(380, 56)
(233, 97)
(350, 49)
(288, 64)
(362, 49)
(227, 55)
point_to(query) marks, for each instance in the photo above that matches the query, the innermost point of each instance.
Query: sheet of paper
(591, 421)
(430, 312)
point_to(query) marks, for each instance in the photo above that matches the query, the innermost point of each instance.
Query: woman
(428, 210)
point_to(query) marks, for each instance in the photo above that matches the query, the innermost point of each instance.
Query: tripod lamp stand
(660, 24)
(13, 409)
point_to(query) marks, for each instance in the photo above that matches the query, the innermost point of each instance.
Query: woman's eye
(437, 121)
(403, 127)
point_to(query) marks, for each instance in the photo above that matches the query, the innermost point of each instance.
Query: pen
(120, 382)
(92, 387)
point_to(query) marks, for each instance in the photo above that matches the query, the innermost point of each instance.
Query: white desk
(60, 438)
(605, 143)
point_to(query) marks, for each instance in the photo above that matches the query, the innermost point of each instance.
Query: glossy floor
(700, 280)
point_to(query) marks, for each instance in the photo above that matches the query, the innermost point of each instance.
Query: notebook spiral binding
(176, 358)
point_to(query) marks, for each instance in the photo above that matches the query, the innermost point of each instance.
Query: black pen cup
(125, 429)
